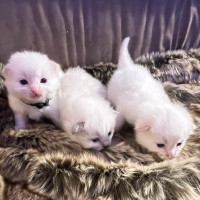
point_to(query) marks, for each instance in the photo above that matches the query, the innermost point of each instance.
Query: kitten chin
(161, 126)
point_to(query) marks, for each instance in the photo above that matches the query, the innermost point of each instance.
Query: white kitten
(85, 114)
(160, 125)
(32, 80)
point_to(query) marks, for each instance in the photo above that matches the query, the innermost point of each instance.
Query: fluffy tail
(124, 56)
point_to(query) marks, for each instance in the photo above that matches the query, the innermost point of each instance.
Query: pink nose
(35, 92)
(169, 154)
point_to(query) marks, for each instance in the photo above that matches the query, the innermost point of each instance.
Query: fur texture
(2, 187)
(47, 156)
(89, 175)
(85, 114)
(14, 191)
(178, 66)
(93, 178)
(44, 138)
(161, 126)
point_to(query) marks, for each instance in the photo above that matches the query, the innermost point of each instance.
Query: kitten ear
(78, 127)
(56, 66)
(6, 71)
(143, 126)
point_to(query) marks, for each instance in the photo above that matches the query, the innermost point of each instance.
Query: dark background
(85, 32)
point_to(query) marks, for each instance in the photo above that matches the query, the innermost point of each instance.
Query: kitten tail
(124, 56)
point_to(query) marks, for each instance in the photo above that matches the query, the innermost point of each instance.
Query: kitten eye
(160, 145)
(109, 133)
(95, 140)
(179, 144)
(23, 82)
(43, 80)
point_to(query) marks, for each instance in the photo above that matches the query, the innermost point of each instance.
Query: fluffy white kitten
(78, 105)
(85, 114)
(32, 80)
(161, 126)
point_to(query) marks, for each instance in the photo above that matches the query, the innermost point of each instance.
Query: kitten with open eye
(32, 80)
(161, 126)
(85, 114)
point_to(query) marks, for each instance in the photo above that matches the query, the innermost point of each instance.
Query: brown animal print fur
(42, 163)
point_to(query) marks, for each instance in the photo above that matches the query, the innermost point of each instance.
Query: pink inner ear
(147, 128)
(6, 72)
(142, 126)
(55, 66)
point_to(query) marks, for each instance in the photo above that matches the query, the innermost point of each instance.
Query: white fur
(141, 100)
(84, 112)
(78, 101)
(31, 66)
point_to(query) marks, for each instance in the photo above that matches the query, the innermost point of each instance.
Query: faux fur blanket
(42, 163)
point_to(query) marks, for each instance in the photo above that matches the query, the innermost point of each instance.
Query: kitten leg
(20, 121)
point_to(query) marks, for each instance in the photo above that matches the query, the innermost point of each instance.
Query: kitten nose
(169, 154)
(35, 91)
(106, 144)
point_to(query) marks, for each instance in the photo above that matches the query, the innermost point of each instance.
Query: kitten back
(124, 56)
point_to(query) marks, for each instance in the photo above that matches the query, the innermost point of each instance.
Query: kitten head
(31, 76)
(164, 130)
(94, 126)
(91, 138)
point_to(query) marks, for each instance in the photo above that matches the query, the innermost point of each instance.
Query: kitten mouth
(33, 100)
(162, 156)
(35, 95)
(39, 104)
(98, 148)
